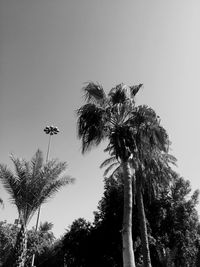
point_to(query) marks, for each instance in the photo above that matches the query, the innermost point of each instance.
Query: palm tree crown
(33, 183)
(129, 129)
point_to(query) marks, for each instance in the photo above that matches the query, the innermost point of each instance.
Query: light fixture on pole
(51, 130)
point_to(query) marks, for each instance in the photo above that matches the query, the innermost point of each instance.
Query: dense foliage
(8, 233)
(173, 229)
(172, 223)
(39, 242)
(176, 228)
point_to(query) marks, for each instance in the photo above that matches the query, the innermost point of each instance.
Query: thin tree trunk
(143, 228)
(20, 248)
(128, 254)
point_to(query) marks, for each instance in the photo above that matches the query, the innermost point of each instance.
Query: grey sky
(49, 48)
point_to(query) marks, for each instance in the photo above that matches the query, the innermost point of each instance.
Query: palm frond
(20, 167)
(108, 169)
(157, 170)
(37, 162)
(134, 89)
(53, 169)
(123, 93)
(91, 125)
(109, 161)
(119, 94)
(94, 93)
(170, 158)
(53, 187)
(10, 182)
(149, 133)
(47, 175)
(45, 227)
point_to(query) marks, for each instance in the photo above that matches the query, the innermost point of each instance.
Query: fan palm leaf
(94, 93)
(134, 89)
(91, 125)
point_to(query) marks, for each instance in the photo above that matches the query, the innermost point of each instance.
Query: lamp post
(51, 130)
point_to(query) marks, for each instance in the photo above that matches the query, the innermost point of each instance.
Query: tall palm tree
(115, 117)
(150, 178)
(107, 117)
(152, 164)
(152, 174)
(32, 184)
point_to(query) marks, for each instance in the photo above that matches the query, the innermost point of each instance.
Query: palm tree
(45, 227)
(32, 185)
(156, 175)
(116, 118)
(150, 179)
(152, 165)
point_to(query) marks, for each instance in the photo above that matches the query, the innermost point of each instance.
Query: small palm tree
(45, 227)
(116, 118)
(32, 185)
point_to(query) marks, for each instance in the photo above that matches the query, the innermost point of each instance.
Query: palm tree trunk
(20, 248)
(128, 254)
(143, 228)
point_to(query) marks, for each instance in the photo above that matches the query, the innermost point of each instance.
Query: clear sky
(49, 48)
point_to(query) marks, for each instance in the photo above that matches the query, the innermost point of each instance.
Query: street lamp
(51, 130)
